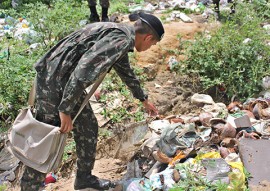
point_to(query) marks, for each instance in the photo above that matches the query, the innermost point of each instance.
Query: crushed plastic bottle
(10, 21)
(201, 6)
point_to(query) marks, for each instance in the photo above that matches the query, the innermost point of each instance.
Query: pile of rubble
(214, 146)
(8, 163)
(178, 7)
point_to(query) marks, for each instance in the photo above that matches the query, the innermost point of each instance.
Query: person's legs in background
(94, 17)
(105, 6)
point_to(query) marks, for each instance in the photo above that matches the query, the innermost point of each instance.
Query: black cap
(152, 21)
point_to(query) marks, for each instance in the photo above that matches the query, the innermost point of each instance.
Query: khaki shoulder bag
(37, 144)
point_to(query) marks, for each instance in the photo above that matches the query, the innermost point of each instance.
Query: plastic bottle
(10, 21)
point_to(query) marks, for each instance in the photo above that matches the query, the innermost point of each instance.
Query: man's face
(144, 42)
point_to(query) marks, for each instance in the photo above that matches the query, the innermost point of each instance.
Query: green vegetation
(51, 24)
(69, 149)
(121, 112)
(118, 6)
(16, 70)
(195, 182)
(16, 76)
(102, 132)
(221, 59)
(224, 59)
(55, 23)
(3, 187)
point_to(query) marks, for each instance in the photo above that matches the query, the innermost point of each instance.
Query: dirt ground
(169, 92)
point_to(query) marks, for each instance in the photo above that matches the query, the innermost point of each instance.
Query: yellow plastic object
(208, 155)
(24, 25)
(237, 176)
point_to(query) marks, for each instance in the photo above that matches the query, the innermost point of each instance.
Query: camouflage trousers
(103, 3)
(85, 131)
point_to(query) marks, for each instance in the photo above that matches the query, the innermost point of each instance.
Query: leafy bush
(118, 6)
(55, 23)
(5, 4)
(262, 8)
(69, 149)
(16, 76)
(224, 59)
(16, 73)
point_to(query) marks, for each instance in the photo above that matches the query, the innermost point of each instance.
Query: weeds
(16, 75)
(69, 148)
(224, 59)
(3, 187)
(118, 6)
(47, 21)
(192, 181)
(102, 132)
(16, 72)
(114, 83)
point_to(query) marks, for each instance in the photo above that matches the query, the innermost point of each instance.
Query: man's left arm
(127, 75)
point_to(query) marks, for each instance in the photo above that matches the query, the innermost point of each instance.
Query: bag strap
(32, 94)
(88, 96)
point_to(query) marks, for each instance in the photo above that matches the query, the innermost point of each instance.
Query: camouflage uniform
(103, 3)
(66, 70)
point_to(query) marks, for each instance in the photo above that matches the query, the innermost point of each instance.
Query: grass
(69, 148)
(3, 187)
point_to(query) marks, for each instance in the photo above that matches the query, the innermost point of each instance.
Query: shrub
(16, 73)
(55, 23)
(5, 4)
(16, 76)
(52, 21)
(262, 8)
(224, 59)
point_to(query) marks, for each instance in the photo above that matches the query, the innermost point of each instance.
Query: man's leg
(94, 17)
(47, 112)
(105, 6)
(85, 136)
(32, 180)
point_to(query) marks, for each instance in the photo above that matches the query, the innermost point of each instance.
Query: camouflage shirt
(78, 60)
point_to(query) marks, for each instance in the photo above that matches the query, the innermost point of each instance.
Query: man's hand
(66, 123)
(151, 109)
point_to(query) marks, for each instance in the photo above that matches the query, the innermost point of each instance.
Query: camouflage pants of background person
(85, 135)
(103, 3)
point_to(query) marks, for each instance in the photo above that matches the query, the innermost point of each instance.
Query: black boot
(86, 180)
(94, 15)
(105, 17)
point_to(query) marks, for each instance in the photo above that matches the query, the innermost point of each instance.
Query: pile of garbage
(19, 28)
(204, 7)
(210, 148)
(8, 163)
(160, 6)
